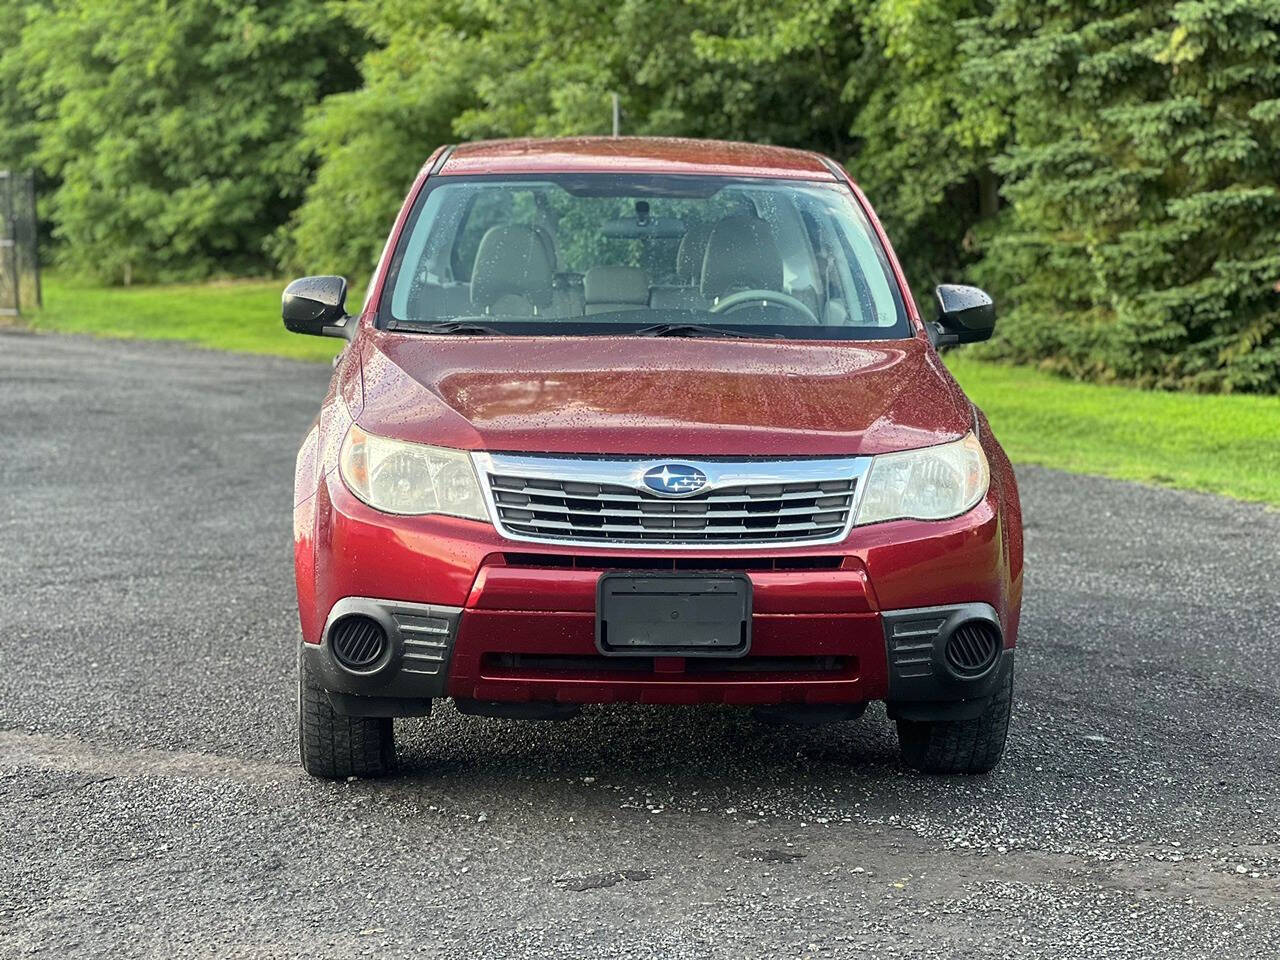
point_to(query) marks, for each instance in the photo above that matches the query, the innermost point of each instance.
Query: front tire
(334, 746)
(959, 746)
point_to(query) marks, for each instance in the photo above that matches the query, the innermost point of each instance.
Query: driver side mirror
(317, 306)
(965, 315)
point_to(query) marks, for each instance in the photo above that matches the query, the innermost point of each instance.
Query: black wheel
(335, 746)
(959, 746)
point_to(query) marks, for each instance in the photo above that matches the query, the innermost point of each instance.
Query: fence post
(35, 237)
(9, 243)
(19, 241)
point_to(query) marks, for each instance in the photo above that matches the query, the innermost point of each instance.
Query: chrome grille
(579, 507)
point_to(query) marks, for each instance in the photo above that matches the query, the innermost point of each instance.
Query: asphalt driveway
(151, 803)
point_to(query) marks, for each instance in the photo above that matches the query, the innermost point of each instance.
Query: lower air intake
(972, 648)
(358, 641)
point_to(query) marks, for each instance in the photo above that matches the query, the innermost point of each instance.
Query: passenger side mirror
(318, 306)
(965, 315)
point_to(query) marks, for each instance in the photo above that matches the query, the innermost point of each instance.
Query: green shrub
(170, 129)
(1142, 237)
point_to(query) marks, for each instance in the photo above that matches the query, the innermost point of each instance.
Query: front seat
(512, 274)
(689, 255)
(611, 289)
(741, 255)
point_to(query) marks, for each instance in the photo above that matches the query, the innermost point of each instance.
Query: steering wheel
(736, 300)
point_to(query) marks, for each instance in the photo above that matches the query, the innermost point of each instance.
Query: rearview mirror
(318, 306)
(965, 314)
(634, 228)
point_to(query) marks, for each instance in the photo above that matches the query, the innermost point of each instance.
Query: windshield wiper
(464, 327)
(692, 330)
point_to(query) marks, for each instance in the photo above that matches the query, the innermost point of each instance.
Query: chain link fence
(19, 264)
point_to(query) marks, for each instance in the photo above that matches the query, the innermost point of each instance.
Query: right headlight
(932, 483)
(409, 478)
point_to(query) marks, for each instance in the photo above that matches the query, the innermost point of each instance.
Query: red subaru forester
(651, 421)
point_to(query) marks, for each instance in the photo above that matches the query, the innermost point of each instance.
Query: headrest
(512, 261)
(693, 246)
(741, 255)
(616, 285)
(549, 241)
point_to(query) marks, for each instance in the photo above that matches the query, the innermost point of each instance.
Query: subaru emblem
(675, 479)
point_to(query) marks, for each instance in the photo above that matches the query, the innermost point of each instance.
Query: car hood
(659, 396)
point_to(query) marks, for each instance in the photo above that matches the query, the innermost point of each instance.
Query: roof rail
(440, 160)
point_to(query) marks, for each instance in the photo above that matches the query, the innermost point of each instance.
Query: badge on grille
(675, 479)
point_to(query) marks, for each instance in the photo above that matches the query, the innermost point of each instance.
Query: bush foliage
(1110, 170)
(167, 131)
(1142, 235)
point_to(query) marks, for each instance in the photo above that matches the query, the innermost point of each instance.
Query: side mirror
(965, 315)
(317, 305)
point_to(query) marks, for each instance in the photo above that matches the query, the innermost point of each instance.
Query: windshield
(664, 255)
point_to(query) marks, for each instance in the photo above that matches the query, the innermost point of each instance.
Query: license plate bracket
(673, 615)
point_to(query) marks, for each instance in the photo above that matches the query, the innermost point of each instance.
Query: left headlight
(932, 483)
(409, 478)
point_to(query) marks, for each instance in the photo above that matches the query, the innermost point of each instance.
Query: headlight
(932, 483)
(411, 478)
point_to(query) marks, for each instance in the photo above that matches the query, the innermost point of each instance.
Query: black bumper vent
(972, 648)
(942, 653)
(358, 641)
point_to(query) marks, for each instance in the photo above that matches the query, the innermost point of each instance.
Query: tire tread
(968, 746)
(334, 746)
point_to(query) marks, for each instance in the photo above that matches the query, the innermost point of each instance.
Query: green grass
(1222, 444)
(237, 315)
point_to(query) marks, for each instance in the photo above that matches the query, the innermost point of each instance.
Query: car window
(597, 252)
(484, 209)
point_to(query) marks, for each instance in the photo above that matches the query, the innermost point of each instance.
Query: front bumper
(433, 651)
(522, 617)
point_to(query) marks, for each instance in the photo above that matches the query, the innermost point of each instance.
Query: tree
(369, 142)
(18, 130)
(446, 71)
(705, 68)
(925, 138)
(172, 126)
(1143, 236)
